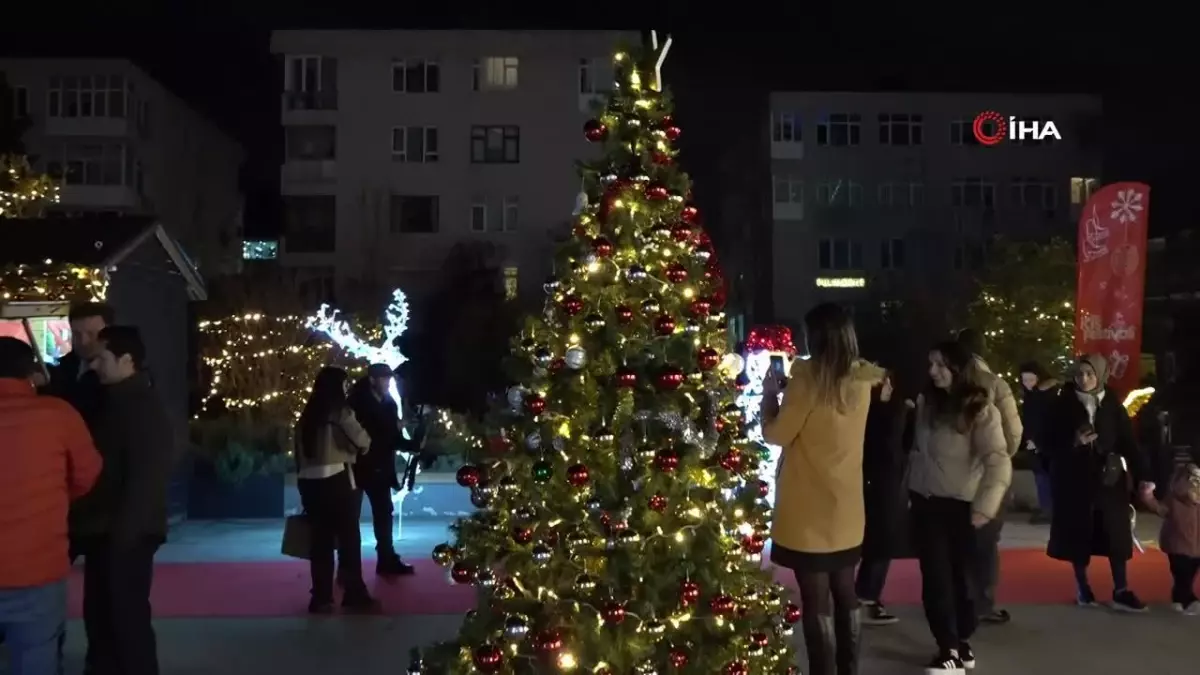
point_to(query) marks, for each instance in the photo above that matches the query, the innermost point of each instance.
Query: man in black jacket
(375, 472)
(123, 521)
(72, 379)
(1039, 390)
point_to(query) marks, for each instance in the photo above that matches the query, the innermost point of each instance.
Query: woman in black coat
(885, 454)
(1095, 463)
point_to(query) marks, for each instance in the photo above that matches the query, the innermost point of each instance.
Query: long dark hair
(959, 405)
(325, 401)
(832, 348)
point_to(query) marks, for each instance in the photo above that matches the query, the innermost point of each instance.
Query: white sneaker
(1190, 609)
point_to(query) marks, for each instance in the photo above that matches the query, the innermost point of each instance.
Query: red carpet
(274, 589)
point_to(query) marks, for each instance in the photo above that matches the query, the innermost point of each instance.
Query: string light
(52, 282)
(1136, 399)
(24, 194)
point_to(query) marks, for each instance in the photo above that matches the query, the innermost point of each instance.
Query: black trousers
(1183, 578)
(987, 564)
(116, 608)
(332, 507)
(872, 576)
(382, 511)
(946, 547)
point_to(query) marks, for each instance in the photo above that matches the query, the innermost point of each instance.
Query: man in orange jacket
(49, 460)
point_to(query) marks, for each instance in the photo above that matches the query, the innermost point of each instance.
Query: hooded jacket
(1006, 404)
(819, 492)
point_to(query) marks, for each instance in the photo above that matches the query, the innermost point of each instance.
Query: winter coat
(970, 466)
(1180, 533)
(1005, 402)
(819, 492)
(1035, 407)
(381, 420)
(885, 459)
(1091, 518)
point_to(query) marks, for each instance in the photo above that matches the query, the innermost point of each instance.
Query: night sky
(227, 72)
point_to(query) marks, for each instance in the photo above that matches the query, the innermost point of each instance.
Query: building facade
(123, 144)
(402, 144)
(879, 196)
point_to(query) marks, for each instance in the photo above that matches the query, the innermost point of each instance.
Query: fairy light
(1136, 399)
(49, 281)
(24, 194)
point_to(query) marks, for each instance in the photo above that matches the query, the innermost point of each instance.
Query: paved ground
(1042, 640)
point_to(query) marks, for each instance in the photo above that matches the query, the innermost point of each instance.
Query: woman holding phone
(1094, 465)
(818, 521)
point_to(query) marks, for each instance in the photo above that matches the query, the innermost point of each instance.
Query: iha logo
(990, 128)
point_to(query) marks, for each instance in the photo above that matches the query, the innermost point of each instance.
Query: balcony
(302, 101)
(787, 150)
(308, 171)
(788, 211)
(88, 126)
(99, 196)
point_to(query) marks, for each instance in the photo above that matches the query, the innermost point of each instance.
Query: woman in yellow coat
(818, 522)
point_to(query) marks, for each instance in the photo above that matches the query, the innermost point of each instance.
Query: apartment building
(402, 144)
(875, 195)
(122, 143)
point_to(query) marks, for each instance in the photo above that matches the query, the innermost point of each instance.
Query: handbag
(297, 537)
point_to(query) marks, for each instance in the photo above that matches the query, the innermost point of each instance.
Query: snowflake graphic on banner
(1127, 206)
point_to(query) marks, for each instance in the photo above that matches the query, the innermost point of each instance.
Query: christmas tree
(621, 523)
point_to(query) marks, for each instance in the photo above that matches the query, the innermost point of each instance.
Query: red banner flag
(1112, 279)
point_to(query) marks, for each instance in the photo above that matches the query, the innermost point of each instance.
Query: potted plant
(239, 467)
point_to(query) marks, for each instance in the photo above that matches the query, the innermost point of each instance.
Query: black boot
(820, 645)
(849, 642)
(390, 565)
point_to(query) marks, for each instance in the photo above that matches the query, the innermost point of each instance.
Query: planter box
(437, 497)
(209, 498)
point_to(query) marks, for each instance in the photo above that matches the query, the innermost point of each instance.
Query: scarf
(1091, 399)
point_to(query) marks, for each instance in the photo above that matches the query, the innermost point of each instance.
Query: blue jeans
(32, 621)
(1041, 478)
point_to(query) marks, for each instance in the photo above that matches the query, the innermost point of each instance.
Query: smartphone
(779, 368)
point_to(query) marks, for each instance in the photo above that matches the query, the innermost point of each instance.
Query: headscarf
(1091, 399)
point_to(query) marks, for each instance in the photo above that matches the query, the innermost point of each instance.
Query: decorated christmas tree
(621, 523)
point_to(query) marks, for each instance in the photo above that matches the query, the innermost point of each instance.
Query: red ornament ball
(664, 325)
(468, 476)
(677, 273)
(690, 213)
(657, 192)
(499, 445)
(732, 460)
(572, 305)
(548, 641)
(595, 131)
(678, 657)
(535, 404)
(602, 247)
(791, 613)
(626, 377)
(577, 475)
(707, 358)
(462, 573)
(558, 364)
(736, 668)
(669, 378)
(488, 658)
(669, 128)
(681, 233)
(764, 489)
(613, 613)
(624, 314)
(754, 544)
(666, 460)
(722, 605)
(759, 639)
(658, 502)
(661, 158)
(700, 307)
(522, 535)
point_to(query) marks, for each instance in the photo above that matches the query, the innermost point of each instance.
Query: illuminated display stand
(762, 345)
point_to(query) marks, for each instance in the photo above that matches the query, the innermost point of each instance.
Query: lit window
(510, 283)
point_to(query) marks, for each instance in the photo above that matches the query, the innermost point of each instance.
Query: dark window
(311, 142)
(416, 76)
(414, 214)
(310, 224)
(495, 144)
